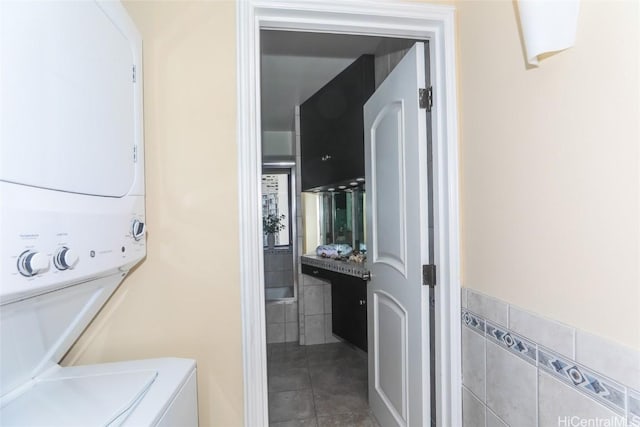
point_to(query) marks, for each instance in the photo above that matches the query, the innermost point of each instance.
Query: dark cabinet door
(349, 309)
(332, 127)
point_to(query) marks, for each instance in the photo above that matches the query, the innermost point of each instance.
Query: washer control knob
(137, 229)
(65, 258)
(31, 263)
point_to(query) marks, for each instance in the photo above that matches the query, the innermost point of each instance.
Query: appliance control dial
(65, 258)
(31, 263)
(137, 229)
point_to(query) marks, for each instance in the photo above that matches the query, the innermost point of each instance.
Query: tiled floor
(318, 385)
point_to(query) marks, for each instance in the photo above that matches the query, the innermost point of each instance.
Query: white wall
(277, 143)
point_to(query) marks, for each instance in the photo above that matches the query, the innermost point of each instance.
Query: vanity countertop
(349, 268)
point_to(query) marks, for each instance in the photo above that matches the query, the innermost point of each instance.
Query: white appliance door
(36, 332)
(67, 98)
(82, 401)
(397, 226)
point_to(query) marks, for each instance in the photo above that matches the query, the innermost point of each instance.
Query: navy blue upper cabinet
(332, 128)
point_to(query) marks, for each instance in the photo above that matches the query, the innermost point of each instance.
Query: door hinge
(429, 275)
(425, 97)
(135, 154)
(133, 73)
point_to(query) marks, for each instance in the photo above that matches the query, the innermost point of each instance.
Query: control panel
(65, 258)
(65, 238)
(31, 263)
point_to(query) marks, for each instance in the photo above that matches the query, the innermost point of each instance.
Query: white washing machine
(72, 220)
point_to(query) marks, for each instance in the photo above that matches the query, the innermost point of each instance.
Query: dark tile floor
(318, 385)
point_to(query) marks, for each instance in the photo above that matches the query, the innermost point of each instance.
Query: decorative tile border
(285, 250)
(514, 343)
(473, 322)
(594, 385)
(597, 386)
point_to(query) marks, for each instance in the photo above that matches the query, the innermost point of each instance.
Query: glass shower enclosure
(278, 198)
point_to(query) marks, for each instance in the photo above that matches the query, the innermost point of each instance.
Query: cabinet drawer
(320, 273)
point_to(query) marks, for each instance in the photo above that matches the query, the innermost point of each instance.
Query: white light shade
(547, 26)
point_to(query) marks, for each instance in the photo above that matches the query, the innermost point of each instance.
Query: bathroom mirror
(341, 218)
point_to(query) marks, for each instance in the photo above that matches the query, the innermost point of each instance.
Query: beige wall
(550, 167)
(184, 300)
(310, 202)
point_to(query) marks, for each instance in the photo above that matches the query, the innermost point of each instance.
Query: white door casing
(398, 229)
(386, 18)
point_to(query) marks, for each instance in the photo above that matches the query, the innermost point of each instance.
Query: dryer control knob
(65, 258)
(137, 229)
(31, 263)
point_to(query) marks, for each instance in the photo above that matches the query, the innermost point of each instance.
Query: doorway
(390, 19)
(314, 88)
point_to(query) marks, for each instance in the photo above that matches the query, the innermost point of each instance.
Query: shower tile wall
(278, 268)
(520, 369)
(282, 321)
(282, 316)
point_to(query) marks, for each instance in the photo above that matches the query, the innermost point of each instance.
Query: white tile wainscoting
(282, 321)
(520, 369)
(315, 311)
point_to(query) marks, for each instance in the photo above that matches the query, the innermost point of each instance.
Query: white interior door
(397, 226)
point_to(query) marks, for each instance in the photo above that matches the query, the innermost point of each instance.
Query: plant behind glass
(272, 223)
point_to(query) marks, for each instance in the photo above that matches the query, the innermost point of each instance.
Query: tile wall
(307, 320)
(520, 369)
(282, 321)
(282, 316)
(315, 314)
(278, 267)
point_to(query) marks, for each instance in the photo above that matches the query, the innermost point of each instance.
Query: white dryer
(72, 220)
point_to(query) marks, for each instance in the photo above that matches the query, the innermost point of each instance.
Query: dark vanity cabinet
(348, 305)
(332, 128)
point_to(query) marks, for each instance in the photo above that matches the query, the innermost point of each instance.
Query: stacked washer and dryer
(72, 217)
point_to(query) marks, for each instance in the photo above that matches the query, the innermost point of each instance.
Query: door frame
(386, 18)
